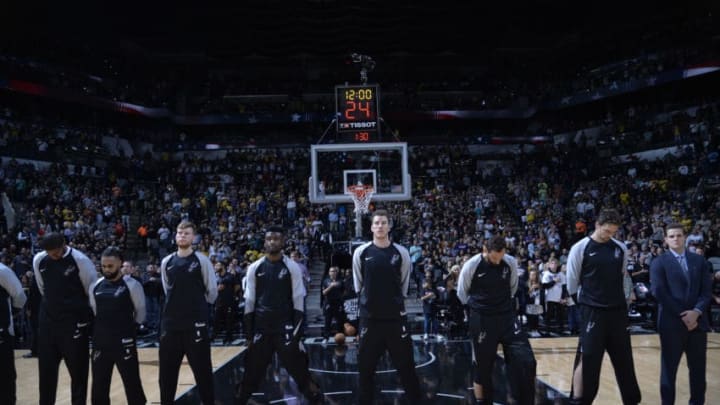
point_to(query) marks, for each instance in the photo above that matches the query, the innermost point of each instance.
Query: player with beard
(273, 321)
(119, 305)
(64, 276)
(11, 291)
(190, 285)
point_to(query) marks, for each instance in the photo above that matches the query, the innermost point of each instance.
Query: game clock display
(358, 115)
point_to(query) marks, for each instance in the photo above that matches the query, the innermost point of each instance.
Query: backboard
(334, 167)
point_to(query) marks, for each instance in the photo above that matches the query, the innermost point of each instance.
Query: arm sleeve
(209, 278)
(250, 287)
(137, 295)
(510, 260)
(405, 269)
(627, 286)
(574, 266)
(11, 284)
(298, 286)
(627, 280)
(91, 296)
(86, 269)
(163, 273)
(465, 278)
(357, 268)
(38, 275)
(659, 287)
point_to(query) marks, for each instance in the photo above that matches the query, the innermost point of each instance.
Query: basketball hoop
(361, 195)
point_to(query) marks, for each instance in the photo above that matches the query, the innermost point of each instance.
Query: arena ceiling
(273, 30)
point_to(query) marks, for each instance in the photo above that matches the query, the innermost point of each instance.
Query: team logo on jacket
(506, 271)
(618, 253)
(395, 259)
(481, 337)
(283, 273)
(70, 270)
(119, 291)
(193, 266)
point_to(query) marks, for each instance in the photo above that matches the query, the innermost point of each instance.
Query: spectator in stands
(22, 263)
(534, 307)
(152, 285)
(225, 305)
(333, 289)
(429, 299)
(142, 232)
(129, 269)
(23, 238)
(715, 307)
(33, 312)
(553, 281)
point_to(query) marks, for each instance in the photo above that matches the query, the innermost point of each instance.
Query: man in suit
(681, 284)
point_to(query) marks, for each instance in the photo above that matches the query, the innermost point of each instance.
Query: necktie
(683, 263)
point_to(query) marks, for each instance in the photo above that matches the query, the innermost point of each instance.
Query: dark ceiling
(278, 30)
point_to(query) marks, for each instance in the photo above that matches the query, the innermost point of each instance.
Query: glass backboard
(334, 167)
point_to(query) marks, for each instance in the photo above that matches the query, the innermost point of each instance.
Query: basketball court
(444, 368)
(361, 169)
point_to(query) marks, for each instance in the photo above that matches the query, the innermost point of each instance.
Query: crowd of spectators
(542, 201)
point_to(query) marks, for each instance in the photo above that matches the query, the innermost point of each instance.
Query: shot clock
(358, 115)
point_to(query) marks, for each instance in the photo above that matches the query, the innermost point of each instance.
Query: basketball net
(361, 195)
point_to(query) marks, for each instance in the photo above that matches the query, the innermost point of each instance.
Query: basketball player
(487, 285)
(597, 280)
(11, 296)
(273, 320)
(119, 304)
(64, 276)
(381, 273)
(189, 282)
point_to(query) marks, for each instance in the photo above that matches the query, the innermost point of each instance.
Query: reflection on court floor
(444, 369)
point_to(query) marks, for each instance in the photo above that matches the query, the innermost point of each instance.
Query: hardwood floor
(27, 390)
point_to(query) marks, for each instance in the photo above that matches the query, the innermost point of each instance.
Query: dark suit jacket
(676, 292)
